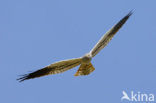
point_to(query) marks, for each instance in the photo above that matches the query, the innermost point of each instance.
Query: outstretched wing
(55, 68)
(109, 35)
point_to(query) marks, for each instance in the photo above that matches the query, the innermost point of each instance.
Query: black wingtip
(22, 78)
(42, 72)
(130, 13)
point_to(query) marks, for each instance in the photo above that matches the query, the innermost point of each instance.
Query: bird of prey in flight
(86, 66)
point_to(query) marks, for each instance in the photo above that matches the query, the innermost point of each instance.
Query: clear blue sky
(36, 33)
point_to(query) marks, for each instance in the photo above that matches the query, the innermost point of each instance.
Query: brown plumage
(85, 69)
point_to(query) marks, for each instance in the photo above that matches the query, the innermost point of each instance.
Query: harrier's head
(86, 59)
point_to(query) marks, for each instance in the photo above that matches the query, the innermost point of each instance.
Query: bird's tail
(85, 69)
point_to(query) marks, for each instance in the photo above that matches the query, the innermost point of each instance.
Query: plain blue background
(36, 33)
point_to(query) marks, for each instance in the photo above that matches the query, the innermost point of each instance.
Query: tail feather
(85, 69)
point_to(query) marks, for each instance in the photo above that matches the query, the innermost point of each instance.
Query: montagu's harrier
(85, 62)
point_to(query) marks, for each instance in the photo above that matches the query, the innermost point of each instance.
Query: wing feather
(109, 35)
(55, 68)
